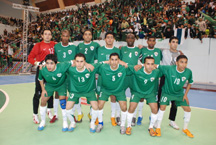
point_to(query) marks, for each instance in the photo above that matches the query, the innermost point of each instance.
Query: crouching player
(55, 76)
(175, 78)
(144, 87)
(82, 84)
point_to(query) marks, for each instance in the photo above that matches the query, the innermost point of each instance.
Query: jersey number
(177, 81)
(163, 99)
(113, 78)
(81, 79)
(64, 54)
(86, 49)
(130, 54)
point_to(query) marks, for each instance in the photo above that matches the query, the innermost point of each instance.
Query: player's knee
(154, 110)
(162, 107)
(187, 109)
(63, 103)
(124, 108)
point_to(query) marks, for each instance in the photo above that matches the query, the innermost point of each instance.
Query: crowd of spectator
(142, 17)
(11, 21)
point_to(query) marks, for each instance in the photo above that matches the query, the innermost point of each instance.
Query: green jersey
(89, 50)
(65, 53)
(143, 82)
(82, 82)
(155, 53)
(57, 77)
(130, 55)
(175, 80)
(112, 80)
(104, 53)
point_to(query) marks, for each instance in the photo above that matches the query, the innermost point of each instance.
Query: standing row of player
(130, 55)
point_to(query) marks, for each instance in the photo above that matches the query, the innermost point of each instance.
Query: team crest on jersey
(69, 51)
(136, 53)
(156, 53)
(59, 75)
(92, 48)
(54, 78)
(119, 74)
(87, 75)
(183, 78)
(152, 79)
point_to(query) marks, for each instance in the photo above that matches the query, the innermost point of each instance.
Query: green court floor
(17, 128)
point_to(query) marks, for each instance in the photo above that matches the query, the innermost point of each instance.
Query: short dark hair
(151, 37)
(180, 57)
(148, 57)
(114, 54)
(52, 57)
(171, 38)
(80, 55)
(45, 29)
(87, 30)
(65, 30)
(109, 33)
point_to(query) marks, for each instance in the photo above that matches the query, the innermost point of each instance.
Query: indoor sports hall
(22, 25)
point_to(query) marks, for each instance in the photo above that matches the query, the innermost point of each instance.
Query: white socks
(94, 115)
(129, 118)
(55, 105)
(153, 120)
(118, 109)
(187, 116)
(140, 108)
(135, 112)
(123, 118)
(70, 115)
(43, 115)
(100, 115)
(160, 118)
(113, 109)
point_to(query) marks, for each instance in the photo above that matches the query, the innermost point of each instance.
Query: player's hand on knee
(186, 98)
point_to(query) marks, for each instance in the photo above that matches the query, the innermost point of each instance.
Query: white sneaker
(174, 125)
(92, 127)
(36, 119)
(65, 126)
(49, 113)
(72, 126)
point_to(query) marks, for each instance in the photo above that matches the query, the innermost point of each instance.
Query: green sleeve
(96, 66)
(40, 77)
(190, 79)
(163, 68)
(65, 65)
(129, 70)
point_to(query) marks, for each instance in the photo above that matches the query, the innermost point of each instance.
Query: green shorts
(128, 82)
(165, 100)
(104, 95)
(62, 90)
(150, 98)
(99, 82)
(90, 96)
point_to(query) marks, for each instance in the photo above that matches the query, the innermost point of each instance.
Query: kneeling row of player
(81, 83)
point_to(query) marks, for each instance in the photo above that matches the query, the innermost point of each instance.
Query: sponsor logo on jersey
(156, 53)
(69, 51)
(119, 74)
(183, 78)
(54, 78)
(92, 48)
(152, 79)
(87, 75)
(173, 76)
(59, 50)
(136, 53)
(102, 53)
(59, 75)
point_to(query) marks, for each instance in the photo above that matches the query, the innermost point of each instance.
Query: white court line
(203, 108)
(6, 102)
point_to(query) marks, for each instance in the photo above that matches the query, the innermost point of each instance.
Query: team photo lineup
(66, 72)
